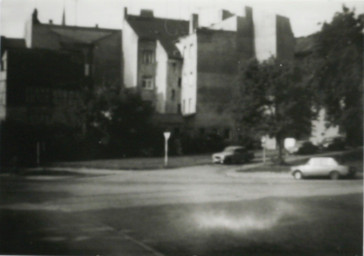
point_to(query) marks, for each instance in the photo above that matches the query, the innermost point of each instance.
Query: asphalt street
(203, 210)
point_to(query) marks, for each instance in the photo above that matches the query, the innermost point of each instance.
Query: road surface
(204, 210)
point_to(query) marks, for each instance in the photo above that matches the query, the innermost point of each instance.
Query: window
(147, 83)
(87, 69)
(179, 82)
(148, 57)
(179, 108)
(190, 105)
(184, 106)
(173, 94)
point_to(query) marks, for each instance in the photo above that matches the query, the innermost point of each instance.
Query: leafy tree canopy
(272, 98)
(339, 73)
(121, 123)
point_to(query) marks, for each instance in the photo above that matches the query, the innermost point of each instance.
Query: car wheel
(334, 175)
(227, 161)
(297, 175)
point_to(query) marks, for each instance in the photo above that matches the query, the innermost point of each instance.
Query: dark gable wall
(217, 68)
(103, 49)
(107, 60)
(285, 39)
(245, 36)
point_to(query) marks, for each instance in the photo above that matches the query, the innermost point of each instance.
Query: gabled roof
(84, 35)
(167, 31)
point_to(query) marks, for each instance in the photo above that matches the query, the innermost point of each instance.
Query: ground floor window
(147, 83)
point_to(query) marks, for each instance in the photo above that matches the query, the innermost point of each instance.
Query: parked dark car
(233, 154)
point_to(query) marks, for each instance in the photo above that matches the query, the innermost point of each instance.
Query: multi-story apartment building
(184, 68)
(152, 62)
(212, 56)
(100, 47)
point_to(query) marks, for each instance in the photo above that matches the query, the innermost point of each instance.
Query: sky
(306, 16)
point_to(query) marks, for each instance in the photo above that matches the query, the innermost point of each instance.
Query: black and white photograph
(181, 127)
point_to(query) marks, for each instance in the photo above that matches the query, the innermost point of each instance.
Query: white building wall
(161, 78)
(130, 54)
(28, 30)
(188, 47)
(265, 34)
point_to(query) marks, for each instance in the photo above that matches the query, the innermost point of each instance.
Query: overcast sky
(305, 15)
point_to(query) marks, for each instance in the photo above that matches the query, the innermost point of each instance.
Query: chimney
(146, 13)
(35, 17)
(249, 13)
(125, 13)
(193, 23)
(96, 25)
(50, 21)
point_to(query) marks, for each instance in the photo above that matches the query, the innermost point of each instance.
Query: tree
(272, 98)
(122, 123)
(338, 76)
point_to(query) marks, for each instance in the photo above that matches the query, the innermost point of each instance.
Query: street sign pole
(263, 146)
(166, 137)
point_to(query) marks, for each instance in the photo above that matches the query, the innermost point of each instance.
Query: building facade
(100, 47)
(152, 62)
(211, 59)
(41, 87)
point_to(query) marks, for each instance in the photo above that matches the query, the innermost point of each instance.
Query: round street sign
(167, 135)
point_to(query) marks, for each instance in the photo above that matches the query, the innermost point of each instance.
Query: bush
(307, 148)
(337, 144)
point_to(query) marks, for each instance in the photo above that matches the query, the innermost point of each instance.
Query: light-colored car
(321, 167)
(232, 154)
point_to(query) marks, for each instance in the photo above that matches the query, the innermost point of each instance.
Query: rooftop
(167, 31)
(11, 43)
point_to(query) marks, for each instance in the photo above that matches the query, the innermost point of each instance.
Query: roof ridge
(156, 18)
(77, 27)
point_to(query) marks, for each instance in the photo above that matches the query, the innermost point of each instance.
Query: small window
(147, 83)
(148, 57)
(191, 47)
(179, 108)
(173, 94)
(190, 105)
(179, 82)
(87, 69)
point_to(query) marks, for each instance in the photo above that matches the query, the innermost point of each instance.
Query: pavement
(199, 210)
